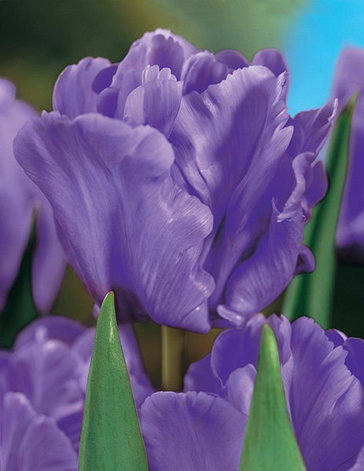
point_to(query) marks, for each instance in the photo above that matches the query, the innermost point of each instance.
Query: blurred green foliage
(246, 25)
(39, 38)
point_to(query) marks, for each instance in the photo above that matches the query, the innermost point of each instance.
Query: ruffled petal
(73, 93)
(221, 133)
(160, 48)
(297, 185)
(311, 129)
(316, 189)
(191, 431)
(326, 400)
(201, 70)
(253, 284)
(106, 181)
(31, 441)
(229, 136)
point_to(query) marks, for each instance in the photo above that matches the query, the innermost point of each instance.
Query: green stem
(172, 358)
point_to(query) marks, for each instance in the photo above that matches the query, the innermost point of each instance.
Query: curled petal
(232, 59)
(73, 93)
(274, 61)
(316, 188)
(254, 284)
(201, 70)
(311, 129)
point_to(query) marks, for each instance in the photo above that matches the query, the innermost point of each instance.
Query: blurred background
(38, 38)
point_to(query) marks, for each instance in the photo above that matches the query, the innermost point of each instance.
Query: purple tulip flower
(19, 198)
(42, 392)
(323, 378)
(178, 180)
(349, 79)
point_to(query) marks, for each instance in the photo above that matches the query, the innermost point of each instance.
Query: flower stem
(172, 358)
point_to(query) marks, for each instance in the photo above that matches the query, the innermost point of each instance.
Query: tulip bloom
(349, 79)
(19, 198)
(323, 378)
(178, 180)
(42, 392)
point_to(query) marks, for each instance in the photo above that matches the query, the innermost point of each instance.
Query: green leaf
(311, 294)
(269, 443)
(19, 310)
(111, 439)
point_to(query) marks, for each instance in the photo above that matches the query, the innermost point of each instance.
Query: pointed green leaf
(19, 310)
(269, 443)
(311, 294)
(111, 439)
